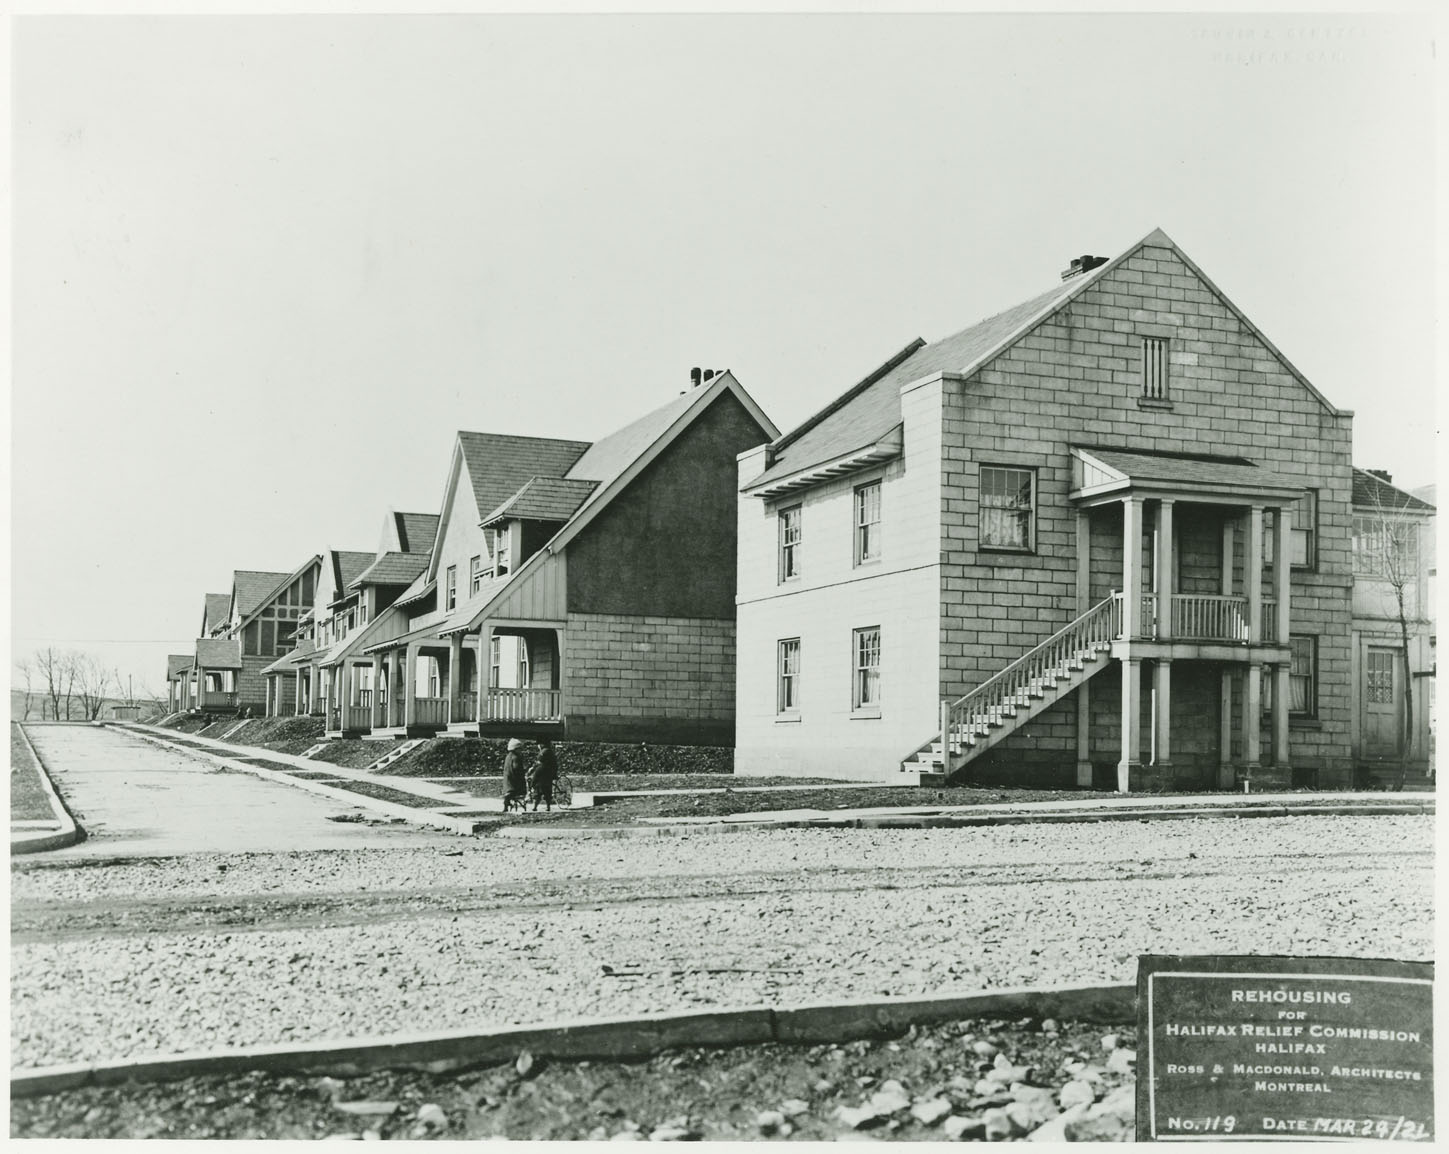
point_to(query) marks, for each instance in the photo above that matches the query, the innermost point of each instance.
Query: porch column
(410, 677)
(1162, 557)
(297, 689)
(1131, 723)
(327, 696)
(1253, 574)
(1084, 561)
(485, 648)
(1229, 531)
(377, 692)
(455, 666)
(1084, 735)
(201, 686)
(1131, 568)
(1280, 714)
(1252, 718)
(1225, 731)
(1283, 568)
(1162, 711)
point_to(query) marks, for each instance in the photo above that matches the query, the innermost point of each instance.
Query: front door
(1383, 702)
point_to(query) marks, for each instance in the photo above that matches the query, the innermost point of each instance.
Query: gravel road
(216, 950)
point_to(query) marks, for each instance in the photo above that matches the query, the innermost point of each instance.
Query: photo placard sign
(1261, 1048)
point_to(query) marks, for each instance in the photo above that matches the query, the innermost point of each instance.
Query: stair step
(315, 750)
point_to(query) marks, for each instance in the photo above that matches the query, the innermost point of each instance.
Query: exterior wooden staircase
(1005, 702)
(393, 754)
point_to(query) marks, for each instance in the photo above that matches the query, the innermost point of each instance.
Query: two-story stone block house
(574, 588)
(1101, 538)
(1393, 556)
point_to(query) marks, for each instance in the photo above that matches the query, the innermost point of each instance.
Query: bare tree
(91, 680)
(52, 664)
(28, 674)
(1388, 552)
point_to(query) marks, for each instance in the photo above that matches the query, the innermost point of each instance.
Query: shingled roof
(869, 410)
(346, 567)
(499, 464)
(218, 653)
(392, 569)
(543, 499)
(1372, 492)
(416, 531)
(178, 664)
(251, 586)
(218, 607)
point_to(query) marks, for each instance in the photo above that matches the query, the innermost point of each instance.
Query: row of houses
(1108, 537)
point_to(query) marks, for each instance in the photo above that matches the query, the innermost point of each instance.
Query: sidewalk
(439, 805)
(29, 831)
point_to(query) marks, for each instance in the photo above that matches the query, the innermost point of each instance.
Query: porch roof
(433, 630)
(178, 665)
(1108, 474)
(218, 653)
(289, 661)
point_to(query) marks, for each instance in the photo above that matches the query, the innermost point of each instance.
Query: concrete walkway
(136, 799)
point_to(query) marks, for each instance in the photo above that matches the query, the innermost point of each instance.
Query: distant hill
(40, 710)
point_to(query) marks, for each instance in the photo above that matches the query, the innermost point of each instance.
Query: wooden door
(1383, 702)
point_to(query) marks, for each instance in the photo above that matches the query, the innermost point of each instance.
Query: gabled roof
(218, 609)
(543, 499)
(415, 531)
(869, 411)
(1097, 471)
(251, 586)
(497, 464)
(218, 653)
(346, 566)
(1371, 492)
(178, 664)
(392, 569)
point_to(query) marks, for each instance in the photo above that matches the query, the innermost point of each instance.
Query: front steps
(394, 754)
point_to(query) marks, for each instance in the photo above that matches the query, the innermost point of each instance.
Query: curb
(607, 1039)
(417, 816)
(70, 831)
(925, 821)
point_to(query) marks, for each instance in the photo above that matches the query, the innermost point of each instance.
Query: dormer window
(500, 547)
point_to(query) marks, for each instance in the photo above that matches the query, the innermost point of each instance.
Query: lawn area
(28, 799)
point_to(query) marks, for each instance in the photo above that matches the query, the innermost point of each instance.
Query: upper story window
(865, 693)
(475, 575)
(789, 520)
(1008, 508)
(787, 696)
(451, 585)
(1154, 369)
(867, 522)
(1302, 537)
(1385, 547)
(500, 546)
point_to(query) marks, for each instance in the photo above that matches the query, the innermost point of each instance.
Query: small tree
(91, 682)
(28, 673)
(1388, 552)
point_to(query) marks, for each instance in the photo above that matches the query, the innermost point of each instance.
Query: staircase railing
(1000, 695)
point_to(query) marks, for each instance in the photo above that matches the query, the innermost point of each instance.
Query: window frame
(863, 703)
(501, 552)
(1030, 471)
(860, 528)
(788, 550)
(1375, 527)
(1310, 713)
(787, 680)
(523, 670)
(1310, 532)
(475, 574)
(1155, 377)
(450, 578)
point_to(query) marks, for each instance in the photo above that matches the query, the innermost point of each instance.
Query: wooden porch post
(377, 694)
(1131, 723)
(1282, 579)
(1253, 574)
(455, 666)
(1252, 717)
(327, 695)
(1083, 694)
(410, 677)
(1165, 586)
(1131, 567)
(1225, 731)
(485, 648)
(201, 686)
(1162, 712)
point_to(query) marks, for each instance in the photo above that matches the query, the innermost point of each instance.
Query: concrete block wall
(1076, 379)
(649, 678)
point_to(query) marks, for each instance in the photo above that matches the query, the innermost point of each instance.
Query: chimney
(1083, 264)
(694, 378)
(1382, 474)
(708, 375)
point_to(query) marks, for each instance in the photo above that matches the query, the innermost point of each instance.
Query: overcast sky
(264, 268)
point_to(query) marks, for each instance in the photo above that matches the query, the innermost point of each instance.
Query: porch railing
(1200, 617)
(357, 717)
(467, 706)
(1000, 696)
(430, 711)
(521, 705)
(217, 699)
(364, 698)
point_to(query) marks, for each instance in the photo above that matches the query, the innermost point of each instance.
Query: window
(500, 549)
(1379, 675)
(452, 586)
(434, 690)
(494, 661)
(523, 670)
(1007, 508)
(1302, 537)
(867, 669)
(362, 610)
(475, 575)
(1302, 678)
(1385, 547)
(1154, 368)
(787, 699)
(867, 522)
(789, 543)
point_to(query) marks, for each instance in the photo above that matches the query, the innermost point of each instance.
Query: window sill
(865, 562)
(791, 580)
(865, 715)
(1004, 551)
(787, 719)
(1154, 403)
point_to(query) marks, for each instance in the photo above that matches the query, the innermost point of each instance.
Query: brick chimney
(1083, 264)
(1381, 474)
